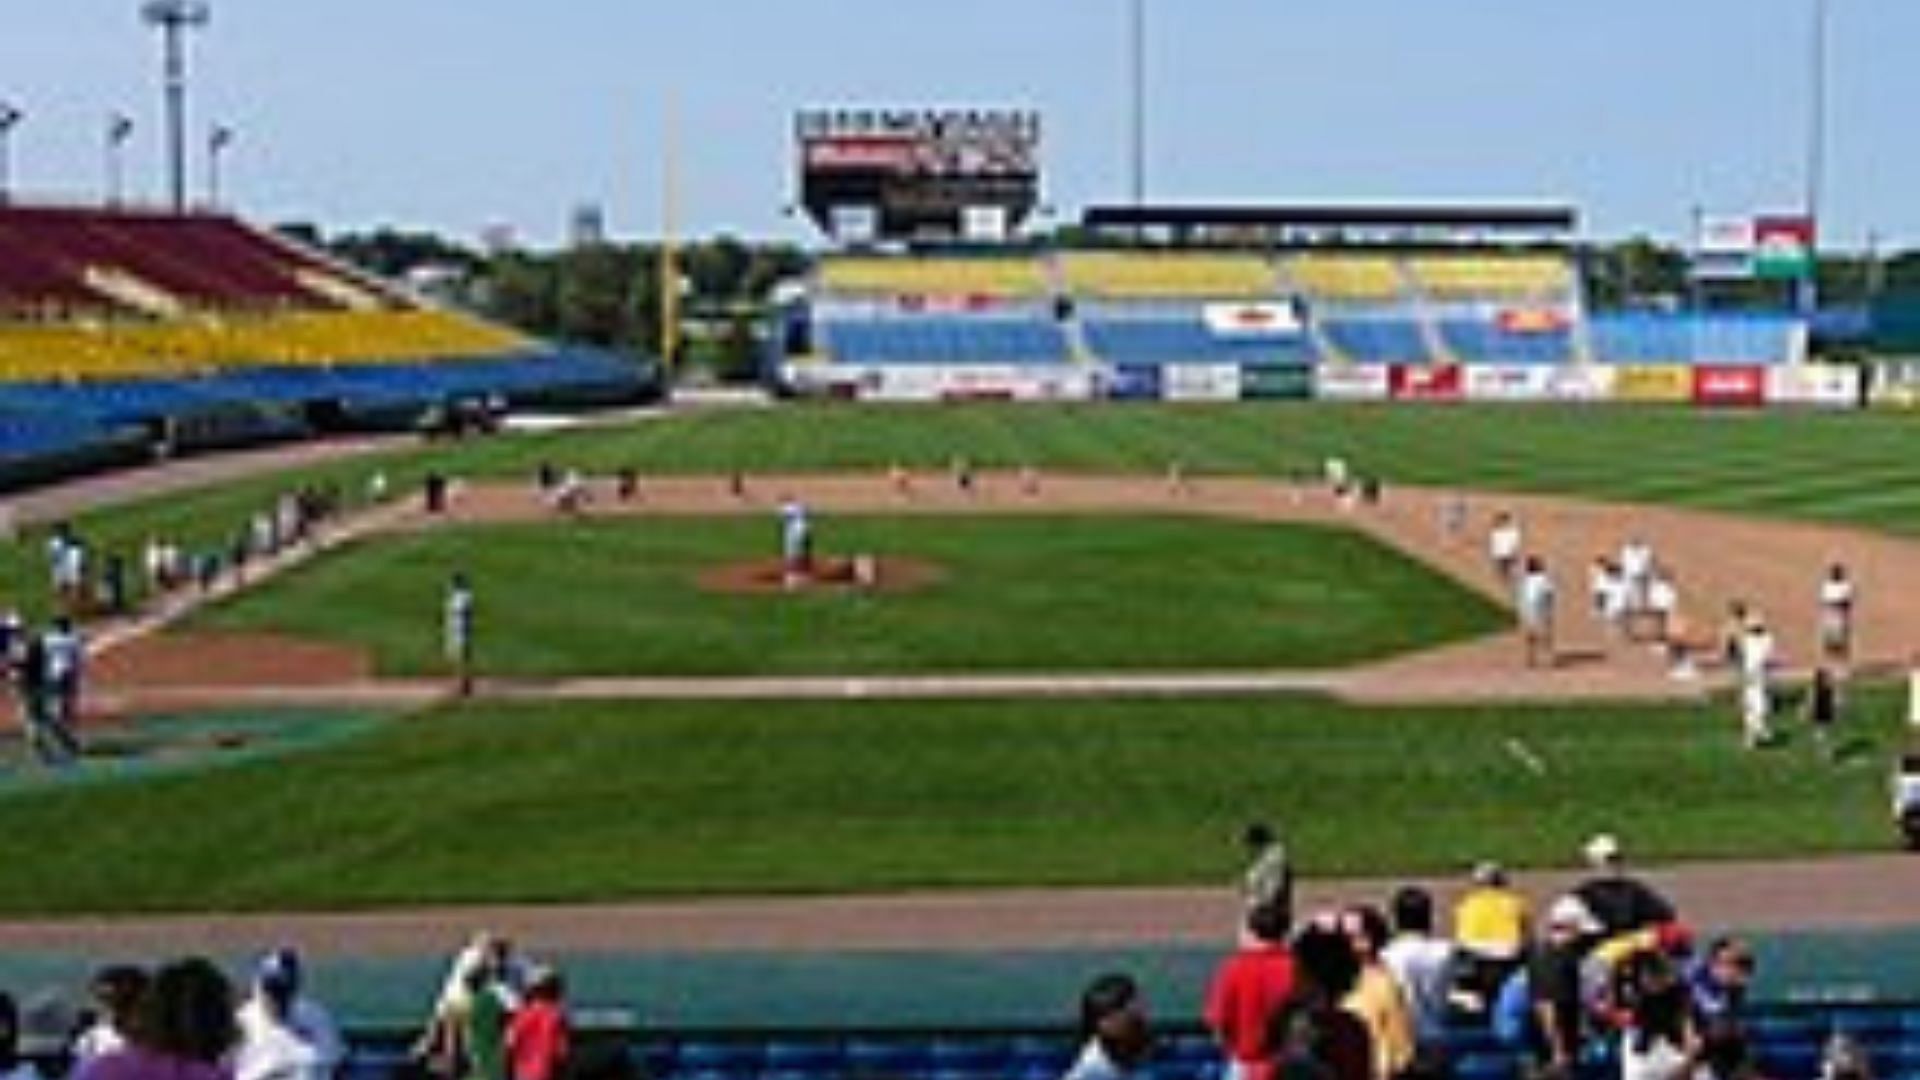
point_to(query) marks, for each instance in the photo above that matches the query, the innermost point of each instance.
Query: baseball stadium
(982, 626)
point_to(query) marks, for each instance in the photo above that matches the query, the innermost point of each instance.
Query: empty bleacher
(124, 324)
(1661, 338)
(1113, 275)
(953, 276)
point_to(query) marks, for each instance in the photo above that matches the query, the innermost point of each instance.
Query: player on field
(1837, 596)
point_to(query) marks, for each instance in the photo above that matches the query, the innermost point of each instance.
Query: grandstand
(1281, 298)
(124, 328)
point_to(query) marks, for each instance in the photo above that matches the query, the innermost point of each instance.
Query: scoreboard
(869, 175)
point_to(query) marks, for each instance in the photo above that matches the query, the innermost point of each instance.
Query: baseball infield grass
(575, 802)
(624, 597)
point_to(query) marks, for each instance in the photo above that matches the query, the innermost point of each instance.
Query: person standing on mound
(796, 541)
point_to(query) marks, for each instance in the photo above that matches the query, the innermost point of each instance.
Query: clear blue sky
(455, 114)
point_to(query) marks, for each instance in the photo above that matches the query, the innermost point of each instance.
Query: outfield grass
(1856, 468)
(601, 801)
(622, 597)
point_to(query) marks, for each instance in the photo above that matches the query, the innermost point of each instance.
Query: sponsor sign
(1783, 248)
(1200, 382)
(1656, 383)
(1830, 386)
(1134, 382)
(1276, 322)
(1426, 382)
(1533, 322)
(1726, 385)
(950, 173)
(1509, 382)
(1580, 382)
(1292, 382)
(1352, 382)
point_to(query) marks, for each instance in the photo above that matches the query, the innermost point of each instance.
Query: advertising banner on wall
(1423, 382)
(1658, 383)
(1293, 382)
(1352, 382)
(1201, 382)
(1253, 321)
(1580, 382)
(1826, 386)
(1509, 382)
(1728, 385)
(1134, 382)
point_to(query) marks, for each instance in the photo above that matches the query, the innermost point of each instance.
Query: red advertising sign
(1439, 382)
(1720, 385)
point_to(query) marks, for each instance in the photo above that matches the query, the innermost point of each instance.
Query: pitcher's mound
(889, 574)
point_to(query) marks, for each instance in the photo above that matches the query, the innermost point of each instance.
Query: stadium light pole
(1816, 146)
(219, 139)
(173, 19)
(1137, 77)
(119, 130)
(10, 117)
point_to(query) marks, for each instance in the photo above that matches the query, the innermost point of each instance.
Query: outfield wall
(1708, 386)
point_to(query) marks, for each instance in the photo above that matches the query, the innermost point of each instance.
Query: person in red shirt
(1250, 987)
(539, 1039)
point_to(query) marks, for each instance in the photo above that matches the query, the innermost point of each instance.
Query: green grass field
(1859, 469)
(1051, 593)
(577, 802)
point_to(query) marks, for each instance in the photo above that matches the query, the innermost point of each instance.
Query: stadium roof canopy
(1356, 224)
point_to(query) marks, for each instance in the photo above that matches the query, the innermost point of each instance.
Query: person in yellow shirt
(1376, 999)
(1491, 928)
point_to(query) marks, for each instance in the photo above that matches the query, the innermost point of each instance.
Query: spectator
(539, 1038)
(483, 1027)
(1554, 986)
(1376, 997)
(116, 992)
(182, 1029)
(1490, 930)
(1249, 988)
(1717, 983)
(1312, 1035)
(1621, 903)
(12, 1065)
(1657, 1041)
(1269, 877)
(1906, 797)
(1114, 1035)
(284, 1033)
(1422, 965)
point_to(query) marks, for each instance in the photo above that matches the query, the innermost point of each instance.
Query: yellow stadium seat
(995, 276)
(1151, 275)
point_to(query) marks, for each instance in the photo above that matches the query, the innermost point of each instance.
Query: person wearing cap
(1268, 881)
(1555, 987)
(1620, 902)
(1490, 928)
(1756, 657)
(285, 1034)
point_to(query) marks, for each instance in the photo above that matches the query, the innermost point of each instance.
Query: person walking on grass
(458, 632)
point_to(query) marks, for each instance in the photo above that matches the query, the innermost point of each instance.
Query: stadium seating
(948, 339)
(1177, 334)
(986, 276)
(1478, 341)
(1149, 276)
(1660, 338)
(1377, 340)
(1492, 277)
(1328, 278)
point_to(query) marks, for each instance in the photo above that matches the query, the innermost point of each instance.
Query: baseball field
(528, 796)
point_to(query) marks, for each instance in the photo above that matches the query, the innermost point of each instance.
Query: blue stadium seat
(887, 1058)
(720, 1057)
